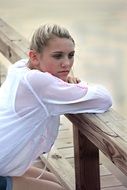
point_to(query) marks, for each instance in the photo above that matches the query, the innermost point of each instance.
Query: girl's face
(57, 57)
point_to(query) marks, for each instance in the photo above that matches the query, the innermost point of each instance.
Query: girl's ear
(34, 58)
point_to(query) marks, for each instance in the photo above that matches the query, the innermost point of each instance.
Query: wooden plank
(64, 143)
(14, 36)
(104, 171)
(67, 152)
(113, 169)
(109, 181)
(61, 168)
(71, 161)
(116, 123)
(115, 188)
(9, 49)
(12, 45)
(66, 134)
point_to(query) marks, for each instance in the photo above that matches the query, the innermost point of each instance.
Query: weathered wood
(86, 163)
(109, 181)
(12, 45)
(105, 133)
(61, 168)
(113, 169)
(115, 188)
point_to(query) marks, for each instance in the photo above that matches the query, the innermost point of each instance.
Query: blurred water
(99, 28)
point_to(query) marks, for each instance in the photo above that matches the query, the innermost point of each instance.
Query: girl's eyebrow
(62, 52)
(57, 52)
(72, 52)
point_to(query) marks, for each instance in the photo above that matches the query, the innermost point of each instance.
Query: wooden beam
(107, 132)
(86, 162)
(12, 45)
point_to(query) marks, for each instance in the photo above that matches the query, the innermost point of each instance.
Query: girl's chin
(63, 77)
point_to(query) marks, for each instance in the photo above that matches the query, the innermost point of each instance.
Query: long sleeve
(61, 97)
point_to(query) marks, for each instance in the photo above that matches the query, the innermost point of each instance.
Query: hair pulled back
(44, 33)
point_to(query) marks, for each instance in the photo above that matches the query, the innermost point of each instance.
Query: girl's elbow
(107, 102)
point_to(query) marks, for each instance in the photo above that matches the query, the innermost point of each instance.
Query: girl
(32, 98)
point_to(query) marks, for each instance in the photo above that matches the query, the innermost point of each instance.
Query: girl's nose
(65, 62)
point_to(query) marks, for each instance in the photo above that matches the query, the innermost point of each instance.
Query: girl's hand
(71, 79)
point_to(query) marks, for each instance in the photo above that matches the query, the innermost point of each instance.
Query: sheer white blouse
(31, 103)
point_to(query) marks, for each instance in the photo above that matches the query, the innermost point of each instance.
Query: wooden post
(86, 162)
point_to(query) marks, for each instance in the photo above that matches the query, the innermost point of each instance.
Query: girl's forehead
(60, 42)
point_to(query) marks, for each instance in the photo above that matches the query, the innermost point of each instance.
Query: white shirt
(31, 103)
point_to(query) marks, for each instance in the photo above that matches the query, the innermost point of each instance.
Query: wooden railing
(93, 132)
(106, 132)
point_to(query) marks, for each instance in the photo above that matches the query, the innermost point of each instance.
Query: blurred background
(99, 28)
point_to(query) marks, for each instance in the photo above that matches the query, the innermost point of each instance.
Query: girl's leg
(34, 172)
(28, 183)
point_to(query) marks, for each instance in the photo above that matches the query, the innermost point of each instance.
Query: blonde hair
(44, 33)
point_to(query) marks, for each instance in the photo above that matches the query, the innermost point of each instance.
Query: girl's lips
(63, 72)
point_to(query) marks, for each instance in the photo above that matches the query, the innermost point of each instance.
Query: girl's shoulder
(36, 77)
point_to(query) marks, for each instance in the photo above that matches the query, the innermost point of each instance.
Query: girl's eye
(71, 55)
